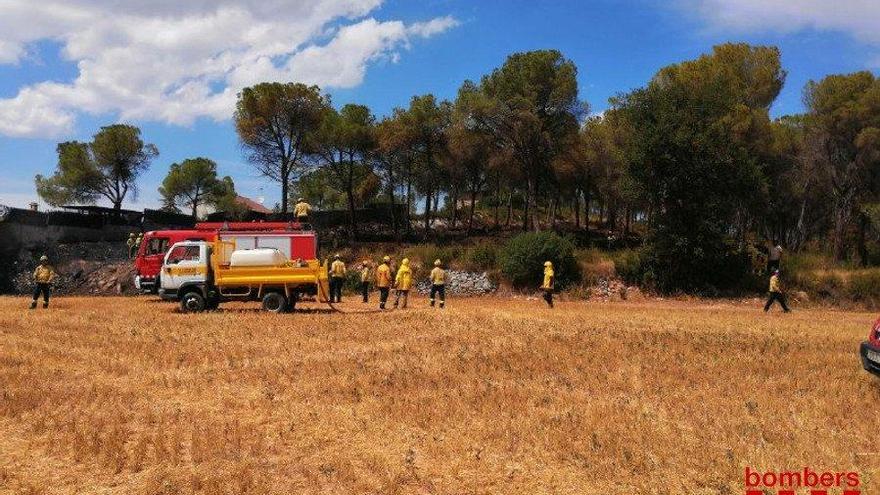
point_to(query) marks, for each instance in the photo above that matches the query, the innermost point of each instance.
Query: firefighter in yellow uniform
(337, 279)
(549, 281)
(776, 293)
(365, 280)
(383, 281)
(403, 283)
(438, 283)
(43, 276)
(301, 211)
(132, 245)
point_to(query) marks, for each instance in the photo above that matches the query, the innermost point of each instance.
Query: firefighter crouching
(438, 283)
(549, 281)
(383, 281)
(337, 279)
(43, 276)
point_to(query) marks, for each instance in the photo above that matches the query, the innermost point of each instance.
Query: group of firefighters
(385, 279)
(402, 282)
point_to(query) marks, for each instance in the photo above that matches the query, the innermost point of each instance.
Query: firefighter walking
(438, 283)
(549, 280)
(43, 277)
(403, 283)
(383, 281)
(337, 279)
(776, 293)
(365, 281)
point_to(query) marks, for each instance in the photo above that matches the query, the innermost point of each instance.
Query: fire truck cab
(201, 275)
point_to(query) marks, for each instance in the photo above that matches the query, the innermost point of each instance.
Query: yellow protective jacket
(337, 269)
(383, 276)
(365, 274)
(403, 280)
(302, 209)
(44, 274)
(774, 284)
(548, 279)
(438, 276)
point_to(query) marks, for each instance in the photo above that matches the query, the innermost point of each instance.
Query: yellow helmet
(548, 264)
(336, 256)
(437, 262)
(44, 258)
(386, 259)
(404, 261)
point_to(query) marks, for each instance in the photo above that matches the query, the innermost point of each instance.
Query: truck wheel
(157, 283)
(275, 302)
(192, 302)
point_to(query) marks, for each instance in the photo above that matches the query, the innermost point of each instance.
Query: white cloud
(858, 18)
(176, 61)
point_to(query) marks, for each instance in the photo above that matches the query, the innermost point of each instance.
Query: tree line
(692, 160)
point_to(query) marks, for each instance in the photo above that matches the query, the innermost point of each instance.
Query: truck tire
(192, 302)
(157, 284)
(275, 302)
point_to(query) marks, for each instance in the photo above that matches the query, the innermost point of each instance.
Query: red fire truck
(287, 237)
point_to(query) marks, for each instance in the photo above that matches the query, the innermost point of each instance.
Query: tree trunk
(527, 207)
(427, 212)
(285, 184)
(509, 208)
(470, 226)
(577, 210)
(587, 199)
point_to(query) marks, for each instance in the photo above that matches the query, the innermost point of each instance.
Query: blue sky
(60, 80)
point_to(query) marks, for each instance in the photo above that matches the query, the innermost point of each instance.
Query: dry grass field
(125, 395)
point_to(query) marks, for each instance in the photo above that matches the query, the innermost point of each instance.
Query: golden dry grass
(124, 395)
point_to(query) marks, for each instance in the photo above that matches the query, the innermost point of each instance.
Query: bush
(864, 286)
(427, 253)
(522, 259)
(482, 257)
(628, 266)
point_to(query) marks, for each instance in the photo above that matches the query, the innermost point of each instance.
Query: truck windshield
(183, 253)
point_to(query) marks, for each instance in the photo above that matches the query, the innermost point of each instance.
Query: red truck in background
(287, 237)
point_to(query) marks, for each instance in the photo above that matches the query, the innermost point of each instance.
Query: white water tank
(257, 257)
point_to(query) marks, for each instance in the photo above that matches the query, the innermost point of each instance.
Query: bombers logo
(791, 482)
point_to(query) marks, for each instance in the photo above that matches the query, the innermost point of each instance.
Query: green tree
(530, 107)
(107, 167)
(343, 144)
(470, 151)
(423, 129)
(192, 182)
(275, 122)
(843, 142)
(700, 130)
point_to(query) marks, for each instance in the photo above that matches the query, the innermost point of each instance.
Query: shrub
(523, 257)
(427, 253)
(864, 286)
(628, 266)
(482, 257)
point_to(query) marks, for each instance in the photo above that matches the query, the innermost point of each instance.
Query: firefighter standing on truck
(438, 283)
(403, 283)
(365, 280)
(549, 280)
(337, 279)
(301, 211)
(383, 281)
(43, 276)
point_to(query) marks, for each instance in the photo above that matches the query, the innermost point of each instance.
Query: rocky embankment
(88, 268)
(462, 283)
